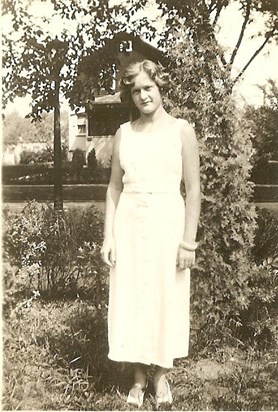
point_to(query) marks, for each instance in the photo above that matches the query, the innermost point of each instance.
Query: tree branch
(270, 34)
(219, 8)
(245, 22)
(221, 55)
(212, 6)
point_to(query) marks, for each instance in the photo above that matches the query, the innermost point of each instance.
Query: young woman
(149, 235)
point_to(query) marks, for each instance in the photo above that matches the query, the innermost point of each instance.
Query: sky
(264, 66)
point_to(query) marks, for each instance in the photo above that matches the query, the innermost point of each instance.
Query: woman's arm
(191, 175)
(114, 190)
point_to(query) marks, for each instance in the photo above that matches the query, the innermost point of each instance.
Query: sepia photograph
(139, 205)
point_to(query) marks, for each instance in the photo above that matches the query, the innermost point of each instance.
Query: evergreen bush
(78, 161)
(200, 92)
(259, 319)
(97, 173)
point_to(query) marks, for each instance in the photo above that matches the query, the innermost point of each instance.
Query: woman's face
(145, 94)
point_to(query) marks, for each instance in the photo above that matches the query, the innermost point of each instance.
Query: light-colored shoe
(166, 398)
(139, 399)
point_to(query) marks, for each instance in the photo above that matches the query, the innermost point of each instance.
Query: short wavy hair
(155, 71)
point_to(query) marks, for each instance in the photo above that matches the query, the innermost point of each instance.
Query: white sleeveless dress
(148, 316)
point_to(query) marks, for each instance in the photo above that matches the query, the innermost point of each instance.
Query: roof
(142, 47)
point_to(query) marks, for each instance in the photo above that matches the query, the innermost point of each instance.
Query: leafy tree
(13, 125)
(37, 64)
(43, 67)
(209, 12)
(16, 128)
(97, 23)
(263, 123)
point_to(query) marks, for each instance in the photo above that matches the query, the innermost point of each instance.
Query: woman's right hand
(108, 252)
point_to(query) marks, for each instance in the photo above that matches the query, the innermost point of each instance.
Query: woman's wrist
(189, 246)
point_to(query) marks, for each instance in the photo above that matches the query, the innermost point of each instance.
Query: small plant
(56, 252)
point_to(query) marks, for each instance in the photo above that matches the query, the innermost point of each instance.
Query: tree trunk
(58, 195)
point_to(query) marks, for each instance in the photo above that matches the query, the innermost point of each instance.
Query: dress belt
(130, 188)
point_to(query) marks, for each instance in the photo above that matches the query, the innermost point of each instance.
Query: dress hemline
(145, 361)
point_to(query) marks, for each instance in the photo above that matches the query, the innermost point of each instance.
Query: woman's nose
(143, 94)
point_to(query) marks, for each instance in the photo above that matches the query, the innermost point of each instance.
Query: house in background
(95, 129)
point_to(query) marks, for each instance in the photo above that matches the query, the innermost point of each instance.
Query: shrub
(259, 318)
(97, 173)
(25, 174)
(77, 163)
(57, 251)
(266, 236)
(201, 93)
(28, 157)
(44, 155)
(73, 172)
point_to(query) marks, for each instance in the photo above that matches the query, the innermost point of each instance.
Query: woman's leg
(140, 374)
(159, 382)
(140, 379)
(136, 393)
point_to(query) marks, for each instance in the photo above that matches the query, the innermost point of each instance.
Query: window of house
(81, 128)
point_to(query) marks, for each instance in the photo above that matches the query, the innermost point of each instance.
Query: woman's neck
(155, 117)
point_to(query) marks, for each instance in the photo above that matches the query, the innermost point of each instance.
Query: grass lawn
(55, 344)
(52, 362)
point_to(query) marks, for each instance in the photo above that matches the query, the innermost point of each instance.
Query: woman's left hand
(185, 259)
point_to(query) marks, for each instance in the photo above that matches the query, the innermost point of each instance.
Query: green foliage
(96, 172)
(31, 173)
(42, 174)
(13, 126)
(55, 355)
(266, 236)
(33, 60)
(32, 157)
(55, 359)
(201, 93)
(42, 156)
(81, 58)
(17, 129)
(55, 350)
(263, 124)
(56, 251)
(77, 163)
(258, 320)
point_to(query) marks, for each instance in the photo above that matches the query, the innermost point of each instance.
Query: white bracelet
(191, 247)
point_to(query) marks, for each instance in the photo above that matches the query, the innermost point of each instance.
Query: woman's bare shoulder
(187, 127)
(188, 136)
